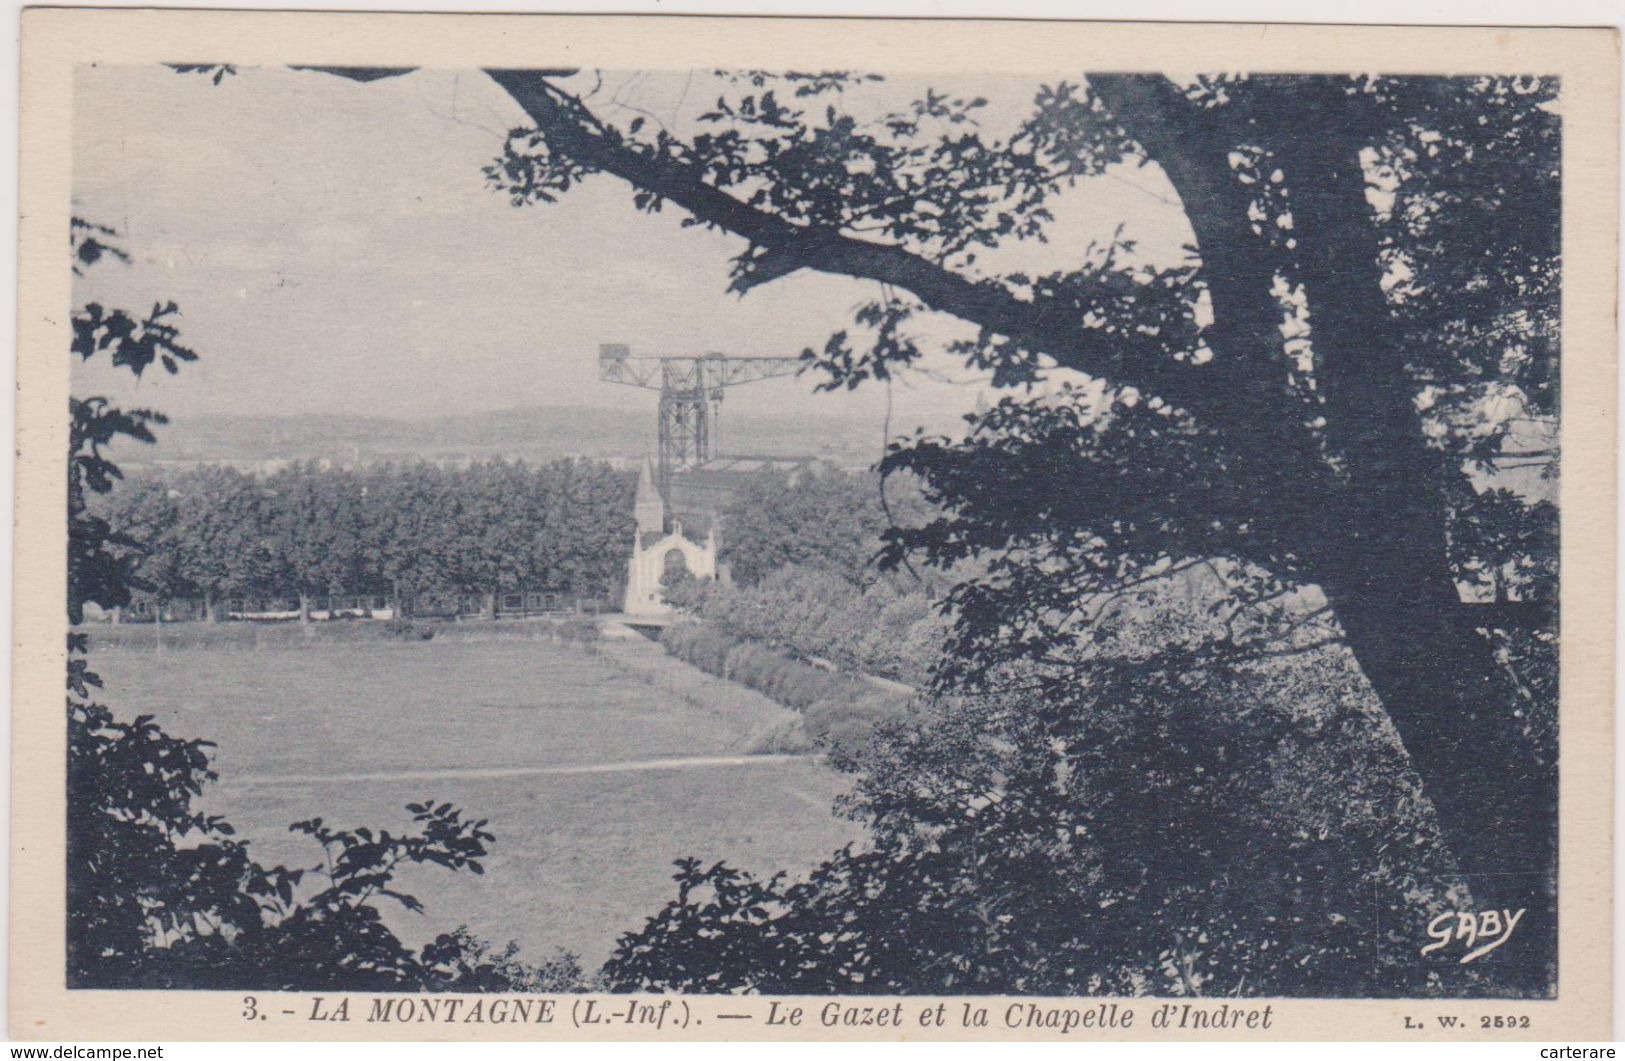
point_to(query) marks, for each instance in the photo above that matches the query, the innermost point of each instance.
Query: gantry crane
(690, 396)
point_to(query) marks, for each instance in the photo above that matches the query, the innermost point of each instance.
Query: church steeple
(648, 509)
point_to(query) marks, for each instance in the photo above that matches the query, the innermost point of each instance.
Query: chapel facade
(654, 545)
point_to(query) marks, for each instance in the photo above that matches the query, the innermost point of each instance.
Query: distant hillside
(534, 433)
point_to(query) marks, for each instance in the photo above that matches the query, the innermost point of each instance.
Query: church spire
(648, 509)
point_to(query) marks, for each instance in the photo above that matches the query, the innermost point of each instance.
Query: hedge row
(838, 712)
(887, 629)
(791, 682)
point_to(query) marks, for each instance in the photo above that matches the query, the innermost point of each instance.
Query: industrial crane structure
(690, 390)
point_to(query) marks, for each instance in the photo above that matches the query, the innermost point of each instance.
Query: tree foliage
(891, 629)
(817, 518)
(839, 712)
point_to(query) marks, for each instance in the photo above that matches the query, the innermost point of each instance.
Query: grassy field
(568, 751)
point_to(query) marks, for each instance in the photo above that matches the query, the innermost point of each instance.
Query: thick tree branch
(1256, 410)
(1359, 348)
(1052, 330)
(1193, 147)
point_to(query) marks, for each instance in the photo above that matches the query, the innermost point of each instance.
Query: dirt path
(489, 773)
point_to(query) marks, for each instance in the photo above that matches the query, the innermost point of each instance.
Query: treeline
(410, 532)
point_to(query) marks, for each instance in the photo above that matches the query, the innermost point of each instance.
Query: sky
(334, 248)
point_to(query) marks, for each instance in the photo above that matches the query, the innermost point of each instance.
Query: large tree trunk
(1461, 720)
(1371, 528)
(1389, 575)
(1464, 727)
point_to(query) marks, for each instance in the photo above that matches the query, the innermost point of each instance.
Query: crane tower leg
(685, 435)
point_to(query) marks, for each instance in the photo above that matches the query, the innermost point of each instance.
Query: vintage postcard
(703, 528)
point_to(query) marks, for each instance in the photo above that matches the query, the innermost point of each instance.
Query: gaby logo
(1480, 932)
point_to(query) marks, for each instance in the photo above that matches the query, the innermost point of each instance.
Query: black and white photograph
(1082, 533)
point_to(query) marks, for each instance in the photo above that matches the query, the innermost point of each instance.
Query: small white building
(653, 549)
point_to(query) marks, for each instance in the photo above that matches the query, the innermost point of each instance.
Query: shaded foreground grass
(580, 856)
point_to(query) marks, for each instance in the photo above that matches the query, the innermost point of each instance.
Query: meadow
(597, 765)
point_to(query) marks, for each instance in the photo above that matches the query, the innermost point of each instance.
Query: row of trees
(403, 531)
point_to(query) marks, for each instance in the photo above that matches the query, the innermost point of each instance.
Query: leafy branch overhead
(104, 557)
